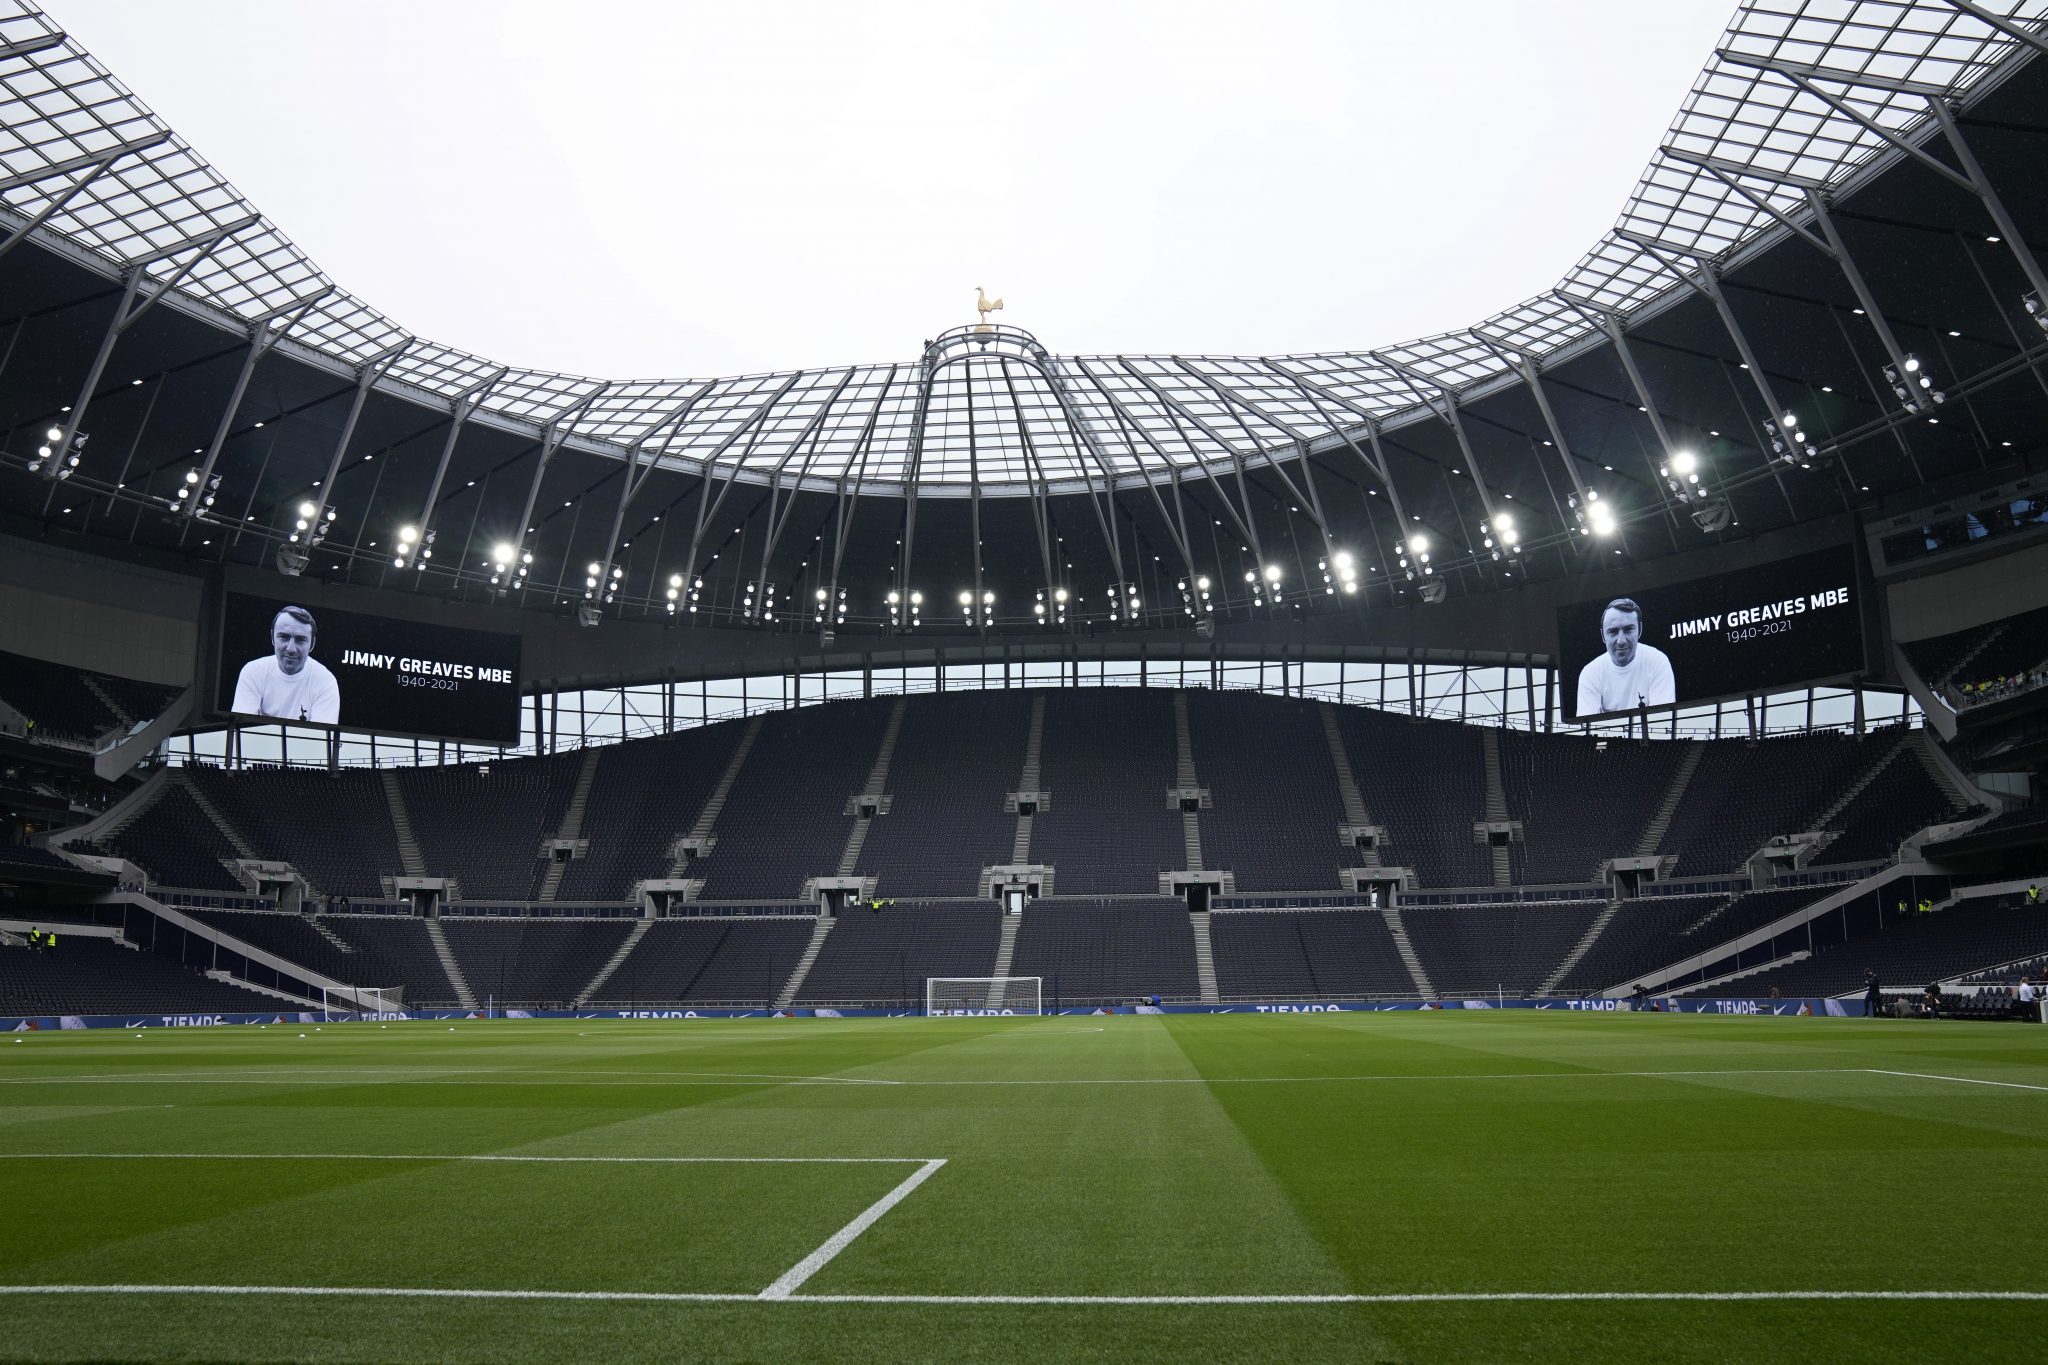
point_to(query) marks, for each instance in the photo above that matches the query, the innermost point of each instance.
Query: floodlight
(501, 553)
(1059, 595)
(409, 534)
(1418, 543)
(894, 597)
(1272, 573)
(1684, 462)
(1202, 583)
(309, 509)
(966, 599)
(54, 434)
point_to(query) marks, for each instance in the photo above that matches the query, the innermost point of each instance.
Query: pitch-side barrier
(64, 1022)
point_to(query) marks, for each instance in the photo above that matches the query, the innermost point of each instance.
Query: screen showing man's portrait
(288, 683)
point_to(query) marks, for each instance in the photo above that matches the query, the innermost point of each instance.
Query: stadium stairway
(401, 824)
(787, 996)
(572, 821)
(341, 945)
(874, 789)
(1580, 949)
(1496, 806)
(463, 995)
(707, 819)
(107, 698)
(1184, 778)
(1205, 956)
(1347, 781)
(1006, 953)
(604, 973)
(1964, 660)
(1945, 774)
(1855, 789)
(1653, 833)
(1027, 780)
(199, 798)
(1405, 947)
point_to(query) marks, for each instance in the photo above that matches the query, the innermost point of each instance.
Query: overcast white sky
(688, 189)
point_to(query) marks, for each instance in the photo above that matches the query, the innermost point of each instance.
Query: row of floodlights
(46, 453)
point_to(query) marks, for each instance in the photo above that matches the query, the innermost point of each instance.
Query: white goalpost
(967, 995)
(352, 1000)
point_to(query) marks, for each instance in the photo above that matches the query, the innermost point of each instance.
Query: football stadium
(849, 863)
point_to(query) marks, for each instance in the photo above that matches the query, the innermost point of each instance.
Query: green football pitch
(1404, 1186)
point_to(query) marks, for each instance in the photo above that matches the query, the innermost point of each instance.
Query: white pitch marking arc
(1037, 1300)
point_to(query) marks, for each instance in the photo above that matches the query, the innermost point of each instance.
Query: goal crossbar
(971, 995)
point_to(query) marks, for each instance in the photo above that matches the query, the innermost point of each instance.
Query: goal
(346, 1002)
(948, 995)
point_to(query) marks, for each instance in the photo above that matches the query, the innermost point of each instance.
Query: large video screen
(283, 661)
(1750, 630)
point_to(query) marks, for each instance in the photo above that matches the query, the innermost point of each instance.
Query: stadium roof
(1801, 94)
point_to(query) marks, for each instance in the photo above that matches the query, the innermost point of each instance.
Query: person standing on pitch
(1873, 998)
(1630, 673)
(289, 682)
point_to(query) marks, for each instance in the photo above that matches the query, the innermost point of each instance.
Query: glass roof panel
(110, 177)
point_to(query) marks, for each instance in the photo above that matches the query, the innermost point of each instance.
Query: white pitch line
(431, 1077)
(1042, 1300)
(486, 1156)
(810, 1265)
(1959, 1080)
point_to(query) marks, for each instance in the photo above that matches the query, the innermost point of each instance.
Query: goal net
(337, 1003)
(949, 995)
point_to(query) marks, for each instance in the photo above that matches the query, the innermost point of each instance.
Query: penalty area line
(1038, 1300)
(788, 1283)
(1959, 1080)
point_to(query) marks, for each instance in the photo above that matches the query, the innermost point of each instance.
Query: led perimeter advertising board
(1748, 630)
(281, 661)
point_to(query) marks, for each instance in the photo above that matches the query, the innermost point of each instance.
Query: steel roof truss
(262, 336)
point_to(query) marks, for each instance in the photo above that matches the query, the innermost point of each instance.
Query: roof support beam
(1246, 523)
(126, 314)
(1727, 171)
(95, 162)
(1707, 283)
(1611, 325)
(1532, 379)
(1804, 77)
(849, 488)
(1231, 403)
(88, 169)
(1105, 509)
(810, 434)
(707, 507)
(460, 409)
(1981, 183)
(1035, 484)
(1376, 462)
(366, 378)
(557, 430)
(28, 47)
(262, 336)
(1971, 177)
(1871, 311)
(2010, 28)
(1449, 413)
